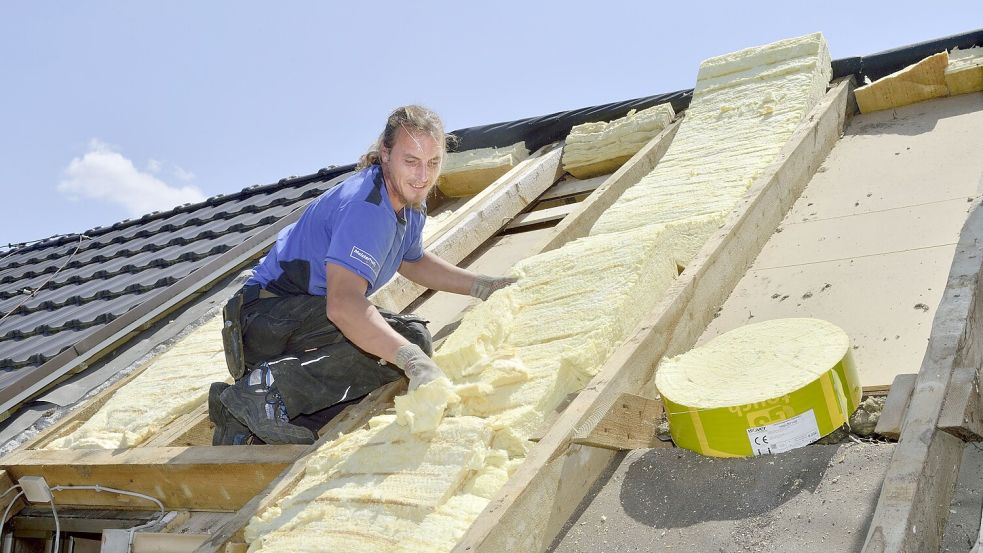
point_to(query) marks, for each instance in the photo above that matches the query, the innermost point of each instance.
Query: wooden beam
(351, 419)
(892, 415)
(962, 409)
(579, 222)
(479, 220)
(913, 504)
(200, 478)
(631, 423)
(572, 187)
(514, 519)
(541, 216)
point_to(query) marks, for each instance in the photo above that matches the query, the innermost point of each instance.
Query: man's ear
(384, 154)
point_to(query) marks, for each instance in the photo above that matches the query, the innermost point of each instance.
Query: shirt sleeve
(415, 251)
(360, 240)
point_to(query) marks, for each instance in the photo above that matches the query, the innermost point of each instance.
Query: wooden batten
(911, 510)
(892, 415)
(199, 478)
(631, 423)
(541, 495)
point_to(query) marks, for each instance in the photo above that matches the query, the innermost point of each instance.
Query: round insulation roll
(763, 388)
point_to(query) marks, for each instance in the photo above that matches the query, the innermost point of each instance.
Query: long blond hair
(412, 119)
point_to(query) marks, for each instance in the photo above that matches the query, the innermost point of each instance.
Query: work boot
(256, 403)
(228, 429)
(232, 336)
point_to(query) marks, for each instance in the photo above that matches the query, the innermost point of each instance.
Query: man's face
(410, 168)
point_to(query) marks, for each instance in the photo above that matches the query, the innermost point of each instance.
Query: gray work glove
(417, 365)
(484, 285)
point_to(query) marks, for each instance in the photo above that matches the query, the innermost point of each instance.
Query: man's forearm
(435, 273)
(361, 323)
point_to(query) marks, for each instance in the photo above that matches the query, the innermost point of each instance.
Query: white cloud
(183, 175)
(104, 174)
(153, 165)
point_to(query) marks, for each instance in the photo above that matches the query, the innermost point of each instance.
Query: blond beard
(418, 206)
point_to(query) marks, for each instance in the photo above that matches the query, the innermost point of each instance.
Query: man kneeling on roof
(301, 338)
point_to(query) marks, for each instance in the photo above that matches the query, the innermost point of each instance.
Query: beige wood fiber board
(872, 298)
(883, 257)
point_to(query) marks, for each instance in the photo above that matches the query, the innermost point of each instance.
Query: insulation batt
(964, 73)
(518, 355)
(590, 145)
(469, 172)
(484, 158)
(174, 384)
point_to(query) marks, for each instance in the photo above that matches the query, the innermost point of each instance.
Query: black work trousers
(314, 366)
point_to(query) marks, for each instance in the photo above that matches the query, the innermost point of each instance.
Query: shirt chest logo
(366, 258)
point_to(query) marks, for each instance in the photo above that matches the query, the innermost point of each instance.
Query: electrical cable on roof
(100, 488)
(9, 505)
(54, 514)
(38, 289)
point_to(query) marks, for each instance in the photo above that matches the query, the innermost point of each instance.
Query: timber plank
(632, 423)
(200, 478)
(572, 187)
(889, 423)
(962, 410)
(910, 513)
(513, 519)
(541, 216)
(579, 222)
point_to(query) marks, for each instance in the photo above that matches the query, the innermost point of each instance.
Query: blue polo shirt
(352, 225)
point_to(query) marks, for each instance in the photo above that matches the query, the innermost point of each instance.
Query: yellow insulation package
(764, 388)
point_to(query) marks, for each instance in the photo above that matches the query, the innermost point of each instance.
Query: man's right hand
(417, 365)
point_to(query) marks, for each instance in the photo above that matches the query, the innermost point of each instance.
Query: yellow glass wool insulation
(964, 74)
(174, 384)
(761, 388)
(367, 490)
(916, 83)
(422, 409)
(519, 354)
(745, 107)
(599, 148)
(469, 172)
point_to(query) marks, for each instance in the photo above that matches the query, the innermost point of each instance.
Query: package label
(784, 435)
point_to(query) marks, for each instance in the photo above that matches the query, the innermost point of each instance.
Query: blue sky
(113, 109)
